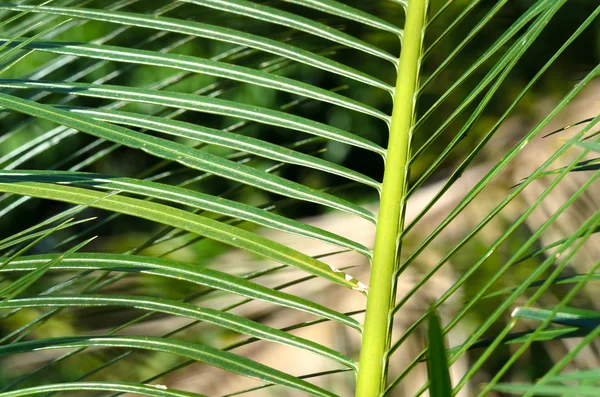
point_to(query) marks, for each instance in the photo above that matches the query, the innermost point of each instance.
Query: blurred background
(26, 143)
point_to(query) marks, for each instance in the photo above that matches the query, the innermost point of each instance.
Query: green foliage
(146, 146)
(437, 364)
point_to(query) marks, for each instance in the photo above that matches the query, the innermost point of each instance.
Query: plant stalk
(373, 357)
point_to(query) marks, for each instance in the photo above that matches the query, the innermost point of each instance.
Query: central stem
(371, 376)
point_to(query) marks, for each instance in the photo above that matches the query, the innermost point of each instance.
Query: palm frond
(159, 159)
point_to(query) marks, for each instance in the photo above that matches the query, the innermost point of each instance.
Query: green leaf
(566, 316)
(548, 390)
(275, 16)
(189, 197)
(556, 281)
(590, 145)
(182, 154)
(168, 306)
(180, 271)
(20, 285)
(593, 374)
(461, 91)
(201, 104)
(30, 233)
(213, 32)
(203, 66)
(521, 337)
(437, 362)
(226, 139)
(342, 10)
(206, 354)
(123, 387)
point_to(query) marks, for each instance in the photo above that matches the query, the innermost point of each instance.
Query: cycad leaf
(213, 32)
(343, 10)
(567, 316)
(189, 197)
(209, 355)
(225, 139)
(180, 271)
(182, 154)
(122, 387)
(204, 66)
(437, 362)
(275, 16)
(201, 104)
(184, 220)
(456, 81)
(175, 308)
(20, 285)
(30, 234)
(556, 281)
(548, 390)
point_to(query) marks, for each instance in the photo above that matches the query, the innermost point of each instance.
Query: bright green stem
(371, 374)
